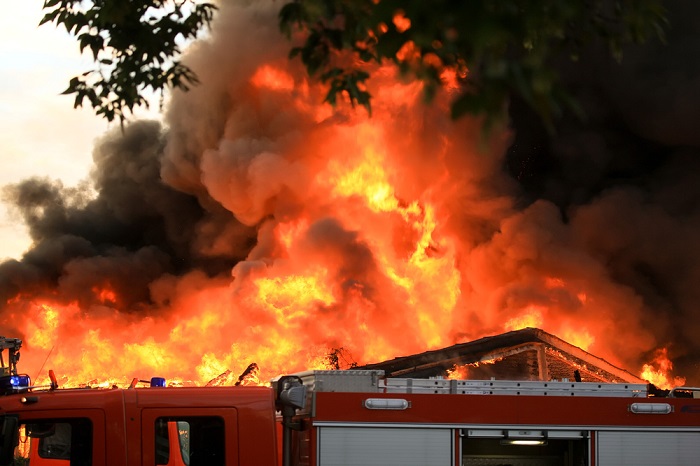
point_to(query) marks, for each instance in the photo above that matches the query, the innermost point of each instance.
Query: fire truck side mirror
(291, 392)
(294, 396)
(9, 439)
(291, 395)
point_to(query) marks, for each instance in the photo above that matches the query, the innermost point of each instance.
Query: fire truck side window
(69, 440)
(56, 446)
(190, 441)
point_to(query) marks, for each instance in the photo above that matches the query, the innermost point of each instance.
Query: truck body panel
(461, 423)
(591, 430)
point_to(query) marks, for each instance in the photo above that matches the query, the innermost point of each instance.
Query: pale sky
(42, 135)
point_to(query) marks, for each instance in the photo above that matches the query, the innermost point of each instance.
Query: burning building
(525, 354)
(257, 224)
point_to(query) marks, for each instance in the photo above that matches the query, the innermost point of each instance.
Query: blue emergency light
(157, 382)
(14, 383)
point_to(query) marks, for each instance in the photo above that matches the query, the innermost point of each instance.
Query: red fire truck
(355, 417)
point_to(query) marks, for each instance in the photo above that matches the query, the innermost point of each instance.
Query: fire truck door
(189, 437)
(385, 446)
(73, 437)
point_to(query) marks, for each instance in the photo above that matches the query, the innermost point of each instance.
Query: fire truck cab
(158, 425)
(204, 426)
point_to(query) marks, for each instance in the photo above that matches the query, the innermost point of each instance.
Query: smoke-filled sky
(257, 225)
(42, 135)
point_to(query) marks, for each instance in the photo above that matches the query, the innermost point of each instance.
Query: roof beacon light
(14, 383)
(157, 382)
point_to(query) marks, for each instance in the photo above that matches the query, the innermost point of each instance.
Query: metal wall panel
(384, 446)
(648, 448)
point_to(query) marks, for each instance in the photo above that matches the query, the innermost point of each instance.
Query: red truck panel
(505, 409)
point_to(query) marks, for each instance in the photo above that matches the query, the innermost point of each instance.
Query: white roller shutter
(382, 446)
(648, 448)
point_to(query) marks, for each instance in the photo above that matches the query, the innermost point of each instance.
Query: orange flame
(658, 372)
(458, 372)
(272, 78)
(531, 317)
(462, 371)
(105, 295)
(401, 21)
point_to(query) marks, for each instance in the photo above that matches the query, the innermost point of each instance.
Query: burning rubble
(258, 225)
